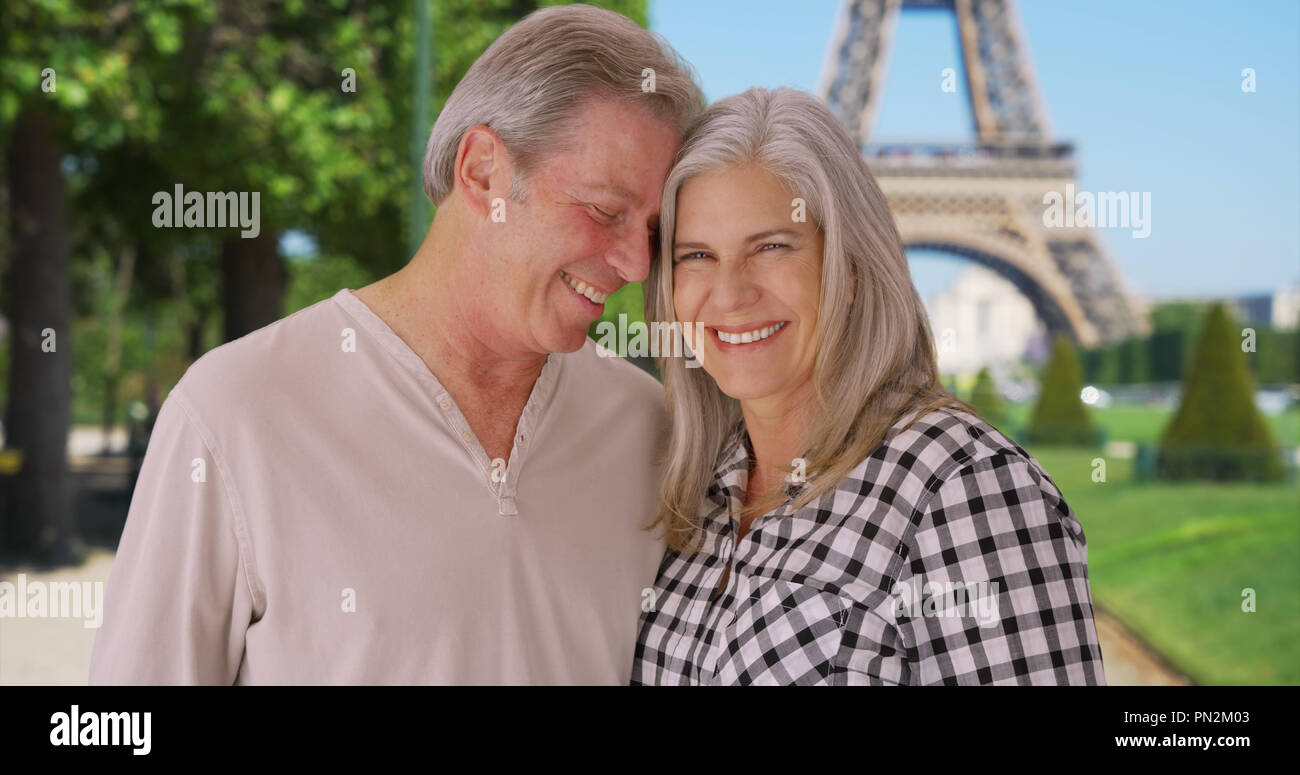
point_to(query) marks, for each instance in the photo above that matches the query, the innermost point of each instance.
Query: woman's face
(749, 270)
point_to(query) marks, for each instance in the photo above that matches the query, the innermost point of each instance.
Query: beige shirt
(313, 508)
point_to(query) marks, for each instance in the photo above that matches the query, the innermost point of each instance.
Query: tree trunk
(39, 520)
(253, 281)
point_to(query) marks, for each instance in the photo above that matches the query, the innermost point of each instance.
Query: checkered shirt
(948, 556)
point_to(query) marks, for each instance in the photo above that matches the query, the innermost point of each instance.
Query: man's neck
(490, 384)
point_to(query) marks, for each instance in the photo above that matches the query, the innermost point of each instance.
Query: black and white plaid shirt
(946, 557)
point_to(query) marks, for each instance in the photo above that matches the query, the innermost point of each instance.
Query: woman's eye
(693, 254)
(773, 245)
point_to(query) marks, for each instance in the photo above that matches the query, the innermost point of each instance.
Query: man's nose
(632, 255)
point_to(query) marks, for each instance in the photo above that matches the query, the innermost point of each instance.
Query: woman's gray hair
(875, 353)
(533, 78)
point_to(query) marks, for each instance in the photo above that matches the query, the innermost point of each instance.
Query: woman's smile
(747, 337)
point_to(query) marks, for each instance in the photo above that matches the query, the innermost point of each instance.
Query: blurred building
(1285, 312)
(981, 320)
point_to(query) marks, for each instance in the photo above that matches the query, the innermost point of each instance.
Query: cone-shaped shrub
(984, 397)
(1218, 432)
(1060, 416)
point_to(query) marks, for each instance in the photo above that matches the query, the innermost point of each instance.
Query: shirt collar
(400, 351)
(731, 475)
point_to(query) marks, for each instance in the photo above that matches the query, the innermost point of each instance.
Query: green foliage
(322, 276)
(1133, 360)
(1167, 353)
(627, 300)
(1060, 416)
(109, 62)
(229, 98)
(1218, 432)
(1177, 316)
(1276, 359)
(1164, 355)
(984, 397)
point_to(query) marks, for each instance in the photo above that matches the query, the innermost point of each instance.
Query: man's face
(589, 219)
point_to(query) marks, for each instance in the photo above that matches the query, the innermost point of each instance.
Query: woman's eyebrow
(751, 238)
(769, 233)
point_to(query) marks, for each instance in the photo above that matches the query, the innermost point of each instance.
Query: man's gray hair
(532, 79)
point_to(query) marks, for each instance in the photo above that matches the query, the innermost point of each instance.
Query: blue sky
(1149, 92)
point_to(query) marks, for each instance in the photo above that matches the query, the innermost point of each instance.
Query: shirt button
(445, 404)
(467, 436)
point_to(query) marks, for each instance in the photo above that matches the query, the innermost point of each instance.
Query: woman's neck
(778, 428)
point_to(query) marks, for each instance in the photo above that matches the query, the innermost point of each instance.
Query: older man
(434, 479)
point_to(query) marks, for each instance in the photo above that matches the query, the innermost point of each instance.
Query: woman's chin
(748, 388)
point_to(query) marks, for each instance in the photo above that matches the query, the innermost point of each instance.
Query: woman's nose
(733, 289)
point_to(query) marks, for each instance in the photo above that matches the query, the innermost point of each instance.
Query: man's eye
(601, 214)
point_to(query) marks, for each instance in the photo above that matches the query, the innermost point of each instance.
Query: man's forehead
(619, 161)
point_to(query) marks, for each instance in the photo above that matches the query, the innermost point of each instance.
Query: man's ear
(481, 168)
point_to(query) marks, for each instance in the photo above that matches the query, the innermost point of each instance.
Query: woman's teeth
(593, 295)
(746, 337)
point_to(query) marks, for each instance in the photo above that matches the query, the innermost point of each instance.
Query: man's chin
(568, 341)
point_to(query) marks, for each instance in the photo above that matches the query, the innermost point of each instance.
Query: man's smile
(584, 289)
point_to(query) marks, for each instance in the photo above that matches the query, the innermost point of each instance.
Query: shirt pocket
(784, 633)
(873, 652)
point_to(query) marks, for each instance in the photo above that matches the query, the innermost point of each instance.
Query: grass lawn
(1172, 560)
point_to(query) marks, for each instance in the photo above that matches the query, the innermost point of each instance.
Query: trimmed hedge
(985, 399)
(1218, 433)
(1060, 416)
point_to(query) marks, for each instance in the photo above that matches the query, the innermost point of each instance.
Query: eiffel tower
(983, 200)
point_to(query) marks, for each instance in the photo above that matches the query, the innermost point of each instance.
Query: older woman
(832, 515)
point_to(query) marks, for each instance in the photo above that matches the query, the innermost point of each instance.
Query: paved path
(1128, 661)
(50, 651)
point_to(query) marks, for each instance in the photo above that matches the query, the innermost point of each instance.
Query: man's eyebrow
(751, 238)
(615, 189)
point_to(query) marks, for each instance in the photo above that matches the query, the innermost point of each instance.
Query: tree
(984, 397)
(1218, 432)
(1060, 416)
(66, 83)
(104, 104)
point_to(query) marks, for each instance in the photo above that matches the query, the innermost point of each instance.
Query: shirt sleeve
(994, 587)
(178, 600)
